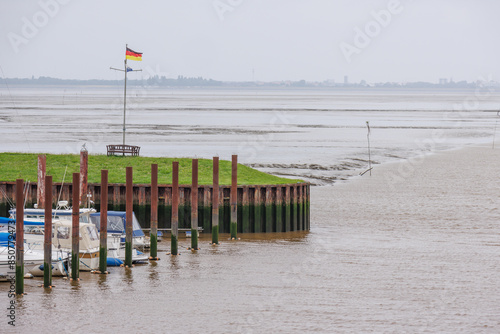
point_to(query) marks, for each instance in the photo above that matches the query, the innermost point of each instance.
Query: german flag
(132, 55)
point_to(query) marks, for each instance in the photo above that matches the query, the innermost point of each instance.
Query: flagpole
(125, 97)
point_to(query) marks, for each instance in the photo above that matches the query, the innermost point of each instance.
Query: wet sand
(412, 249)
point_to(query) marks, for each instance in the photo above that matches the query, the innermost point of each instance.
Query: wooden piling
(47, 245)
(207, 210)
(19, 237)
(129, 216)
(288, 210)
(40, 189)
(279, 209)
(84, 165)
(269, 210)
(174, 239)
(245, 208)
(75, 229)
(194, 204)
(294, 209)
(257, 205)
(234, 197)
(154, 213)
(103, 231)
(215, 201)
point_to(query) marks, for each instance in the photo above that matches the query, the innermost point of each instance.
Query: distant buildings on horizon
(182, 81)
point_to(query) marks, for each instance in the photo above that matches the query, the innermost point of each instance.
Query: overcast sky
(240, 40)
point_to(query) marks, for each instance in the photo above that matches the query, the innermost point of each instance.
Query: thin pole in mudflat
(75, 229)
(154, 213)
(175, 209)
(234, 197)
(19, 237)
(103, 245)
(194, 204)
(215, 202)
(47, 238)
(129, 216)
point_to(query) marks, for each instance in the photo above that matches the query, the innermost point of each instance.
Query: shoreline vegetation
(24, 165)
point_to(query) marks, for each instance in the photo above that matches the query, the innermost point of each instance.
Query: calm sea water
(412, 248)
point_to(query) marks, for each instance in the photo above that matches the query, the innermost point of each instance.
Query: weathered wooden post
(215, 201)
(75, 229)
(245, 216)
(234, 197)
(103, 246)
(84, 164)
(47, 245)
(288, 209)
(279, 209)
(194, 204)
(174, 238)
(269, 210)
(154, 213)
(40, 187)
(129, 217)
(19, 237)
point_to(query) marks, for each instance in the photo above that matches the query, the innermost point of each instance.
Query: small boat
(116, 227)
(33, 260)
(61, 241)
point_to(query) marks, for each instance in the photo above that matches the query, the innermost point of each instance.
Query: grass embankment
(24, 165)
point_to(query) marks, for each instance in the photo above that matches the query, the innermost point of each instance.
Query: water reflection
(102, 281)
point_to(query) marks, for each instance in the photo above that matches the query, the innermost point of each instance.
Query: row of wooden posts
(76, 196)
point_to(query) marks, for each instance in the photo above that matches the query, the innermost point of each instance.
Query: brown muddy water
(413, 248)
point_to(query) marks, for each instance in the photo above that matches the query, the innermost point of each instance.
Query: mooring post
(40, 187)
(215, 201)
(103, 233)
(47, 245)
(19, 237)
(194, 204)
(84, 164)
(75, 229)
(175, 209)
(153, 255)
(129, 217)
(234, 197)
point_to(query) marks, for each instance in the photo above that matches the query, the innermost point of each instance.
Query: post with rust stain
(175, 209)
(215, 201)
(40, 189)
(128, 216)
(84, 164)
(194, 204)
(234, 197)
(154, 213)
(19, 237)
(47, 245)
(103, 246)
(75, 229)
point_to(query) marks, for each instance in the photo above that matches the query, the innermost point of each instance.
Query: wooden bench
(123, 149)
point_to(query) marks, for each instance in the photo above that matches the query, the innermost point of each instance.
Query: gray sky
(374, 40)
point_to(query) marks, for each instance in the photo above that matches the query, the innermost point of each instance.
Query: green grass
(24, 166)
